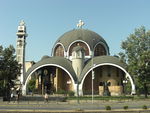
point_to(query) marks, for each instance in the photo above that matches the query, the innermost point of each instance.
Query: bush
(78, 109)
(64, 99)
(61, 91)
(125, 107)
(31, 85)
(107, 107)
(144, 107)
(71, 93)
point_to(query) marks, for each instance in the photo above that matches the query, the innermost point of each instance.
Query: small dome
(45, 57)
(90, 37)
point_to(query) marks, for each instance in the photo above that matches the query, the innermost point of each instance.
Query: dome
(80, 34)
(45, 57)
(98, 61)
(53, 61)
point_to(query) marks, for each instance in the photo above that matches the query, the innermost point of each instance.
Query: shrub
(60, 91)
(78, 109)
(71, 93)
(107, 107)
(125, 107)
(144, 107)
(64, 99)
(31, 85)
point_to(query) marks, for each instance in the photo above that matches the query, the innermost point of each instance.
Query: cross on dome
(80, 24)
(22, 23)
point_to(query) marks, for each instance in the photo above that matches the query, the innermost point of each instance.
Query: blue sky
(47, 20)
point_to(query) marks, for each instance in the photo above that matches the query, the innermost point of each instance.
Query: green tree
(137, 57)
(31, 85)
(9, 69)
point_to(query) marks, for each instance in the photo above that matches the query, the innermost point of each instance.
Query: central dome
(90, 37)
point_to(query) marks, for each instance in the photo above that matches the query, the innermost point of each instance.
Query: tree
(137, 57)
(9, 69)
(31, 85)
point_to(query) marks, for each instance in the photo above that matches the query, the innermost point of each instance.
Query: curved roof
(45, 57)
(100, 60)
(66, 64)
(80, 34)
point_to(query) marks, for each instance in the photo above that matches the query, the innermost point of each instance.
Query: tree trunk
(145, 90)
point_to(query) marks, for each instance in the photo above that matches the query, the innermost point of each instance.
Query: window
(83, 45)
(59, 51)
(99, 50)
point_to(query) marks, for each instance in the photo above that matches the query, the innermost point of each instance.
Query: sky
(47, 20)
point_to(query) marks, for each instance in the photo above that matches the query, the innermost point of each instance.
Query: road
(35, 106)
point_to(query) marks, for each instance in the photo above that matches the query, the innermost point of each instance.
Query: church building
(79, 62)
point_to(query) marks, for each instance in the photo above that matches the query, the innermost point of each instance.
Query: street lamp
(78, 102)
(93, 74)
(124, 84)
(92, 85)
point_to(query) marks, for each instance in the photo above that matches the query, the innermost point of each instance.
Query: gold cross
(80, 24)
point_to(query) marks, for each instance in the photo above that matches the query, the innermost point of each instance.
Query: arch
(111, 64)
(76, 42)
(59, 50)
(54, 49)
(27, 79)
(105, 47)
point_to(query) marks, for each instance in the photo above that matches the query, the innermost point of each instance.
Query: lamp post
(124, 84)
(92, 85)
(78, 102)
(93, 76)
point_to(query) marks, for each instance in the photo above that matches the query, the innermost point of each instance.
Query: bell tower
(20, 50)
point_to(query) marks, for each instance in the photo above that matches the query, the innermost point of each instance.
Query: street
(53, 106)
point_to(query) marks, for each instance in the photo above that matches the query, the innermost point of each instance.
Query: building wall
(112, 75)
(28, 64)
(62, 81)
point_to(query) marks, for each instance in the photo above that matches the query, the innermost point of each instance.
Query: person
(18, 96)
(46, 97)
(11, 96)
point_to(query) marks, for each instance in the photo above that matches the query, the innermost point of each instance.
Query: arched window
(83, 45)
(59, 51)
(99, 50)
